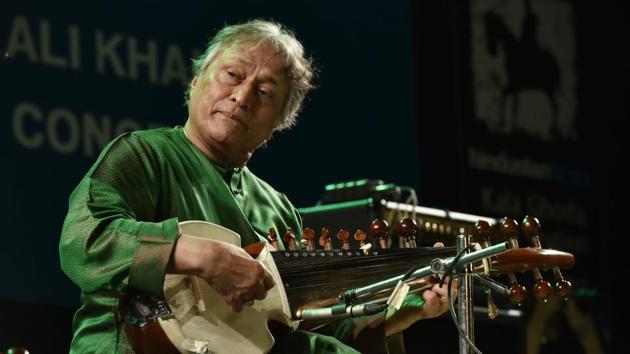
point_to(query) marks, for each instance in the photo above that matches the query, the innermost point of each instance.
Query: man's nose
(243, 95)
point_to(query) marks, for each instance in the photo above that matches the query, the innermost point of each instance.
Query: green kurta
(122, 224)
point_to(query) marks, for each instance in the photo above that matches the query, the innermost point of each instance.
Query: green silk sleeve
(110, 240)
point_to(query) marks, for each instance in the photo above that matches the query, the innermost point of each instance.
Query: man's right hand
(233, 273)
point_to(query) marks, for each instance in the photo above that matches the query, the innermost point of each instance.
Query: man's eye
(263, 92)
(231, 75)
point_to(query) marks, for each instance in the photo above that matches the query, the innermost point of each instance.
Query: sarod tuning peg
(361, 236)
(324, 239)
(289, 240)
(308, 235)
(379, 229)
(407, 228)
(273, 238)
(342, 236)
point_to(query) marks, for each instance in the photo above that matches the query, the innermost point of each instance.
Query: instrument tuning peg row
(508, 228)
(531, 229)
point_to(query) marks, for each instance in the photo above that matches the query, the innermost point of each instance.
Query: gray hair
(299, 68)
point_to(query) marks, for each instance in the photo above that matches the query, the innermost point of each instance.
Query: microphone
(341, 311)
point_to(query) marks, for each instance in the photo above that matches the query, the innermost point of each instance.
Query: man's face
(235, 104)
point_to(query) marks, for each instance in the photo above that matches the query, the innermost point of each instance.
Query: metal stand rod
(465, 313)
(423, 272)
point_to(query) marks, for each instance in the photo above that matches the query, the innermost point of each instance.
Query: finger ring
(248, 303)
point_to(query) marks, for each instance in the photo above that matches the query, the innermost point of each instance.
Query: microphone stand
(346, 308)
(465, 314)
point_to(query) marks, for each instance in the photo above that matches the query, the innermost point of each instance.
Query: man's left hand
(432, 303)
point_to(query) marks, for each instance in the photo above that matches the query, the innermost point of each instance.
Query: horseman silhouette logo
(525, 82)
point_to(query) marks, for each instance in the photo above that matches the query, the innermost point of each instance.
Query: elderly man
(121, 233)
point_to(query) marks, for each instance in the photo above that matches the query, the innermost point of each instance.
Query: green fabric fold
(122, 221)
